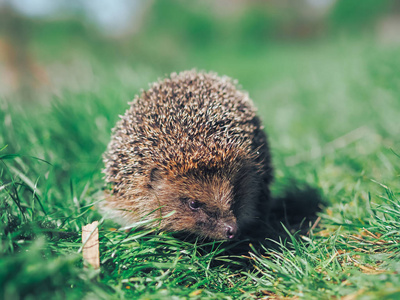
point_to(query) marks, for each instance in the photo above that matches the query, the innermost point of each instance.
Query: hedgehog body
(193, 145)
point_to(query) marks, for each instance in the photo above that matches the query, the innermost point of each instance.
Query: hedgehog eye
(194, 205)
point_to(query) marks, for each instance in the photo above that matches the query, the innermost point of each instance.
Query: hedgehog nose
(231, 231)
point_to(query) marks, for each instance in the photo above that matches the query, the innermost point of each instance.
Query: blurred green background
(48, 45)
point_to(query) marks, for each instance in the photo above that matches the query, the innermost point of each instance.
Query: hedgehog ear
(155, 175)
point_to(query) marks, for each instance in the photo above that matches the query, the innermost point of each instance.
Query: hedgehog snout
(231, 230)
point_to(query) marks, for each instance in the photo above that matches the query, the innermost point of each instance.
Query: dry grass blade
(90, 241)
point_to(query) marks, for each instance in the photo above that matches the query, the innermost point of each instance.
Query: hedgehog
(190, 152)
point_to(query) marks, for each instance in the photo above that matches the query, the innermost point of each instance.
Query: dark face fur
(202, 204)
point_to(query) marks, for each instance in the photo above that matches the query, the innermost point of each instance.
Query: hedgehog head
(203, 205)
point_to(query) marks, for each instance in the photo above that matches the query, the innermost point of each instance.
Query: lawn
(331, 108)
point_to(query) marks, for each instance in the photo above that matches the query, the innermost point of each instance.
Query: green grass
(331, 109)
